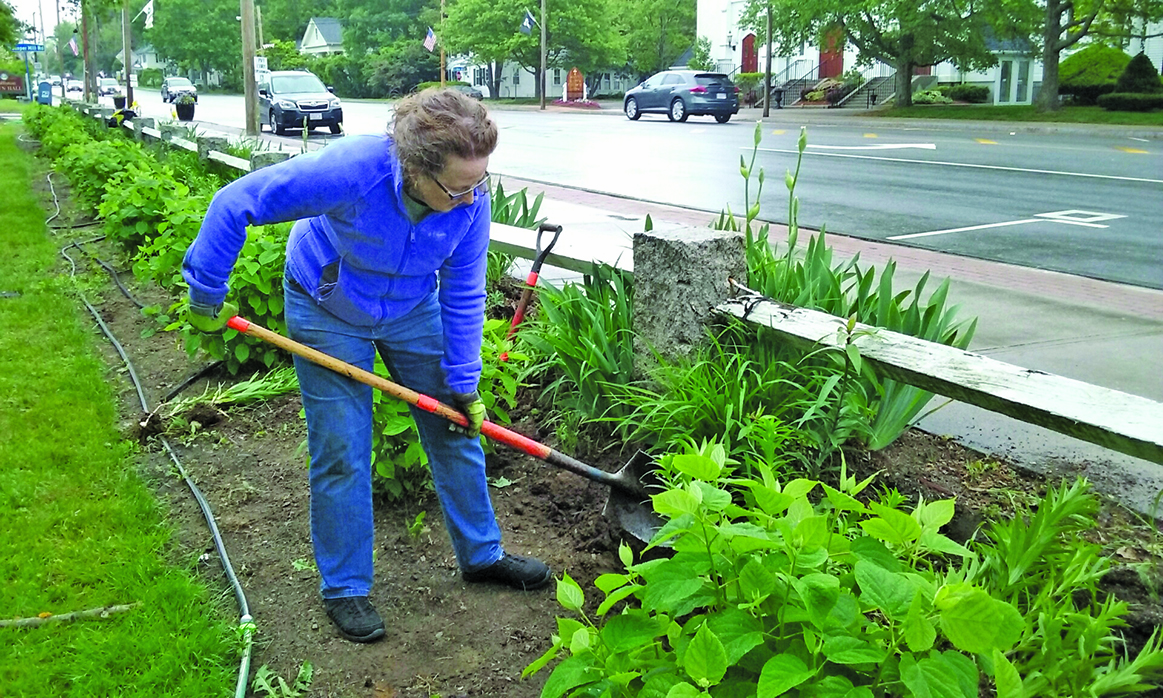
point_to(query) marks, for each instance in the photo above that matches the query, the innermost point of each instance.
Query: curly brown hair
(431, 125)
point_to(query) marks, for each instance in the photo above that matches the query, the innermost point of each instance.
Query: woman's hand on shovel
(473, 408)
(210, 320)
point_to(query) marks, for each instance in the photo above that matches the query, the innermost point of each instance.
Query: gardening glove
(209, 319)
(472, 407)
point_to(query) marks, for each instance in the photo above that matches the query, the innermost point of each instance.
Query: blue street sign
(28, 47)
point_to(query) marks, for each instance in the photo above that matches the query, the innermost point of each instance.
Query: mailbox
(44, 92)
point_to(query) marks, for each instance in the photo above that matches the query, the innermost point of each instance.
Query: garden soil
(444, 637)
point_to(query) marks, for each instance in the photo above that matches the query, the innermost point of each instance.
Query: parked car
(288, 97)
(683, 93)
(469, 90)
(175, 85)
(108, 87)
(56, 81)
(74, 86)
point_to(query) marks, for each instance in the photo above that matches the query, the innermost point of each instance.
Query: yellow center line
(985, 141)
(778, 132)
(871, 135)
(1131, 150)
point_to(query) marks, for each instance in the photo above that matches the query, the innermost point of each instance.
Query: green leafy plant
(1140, 76)
(930, 97)
(416, 528)
(274, 686)
(1041, 563)
(515, 209)
(584, 331)
(772, 592)
(809, 278)
(974, 94)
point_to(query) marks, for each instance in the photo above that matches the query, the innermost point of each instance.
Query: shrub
(150, 77)
(1091, 72)
(436, 83)
(930, 97)
(1130, 101)
(974, 94)
(1140, 76)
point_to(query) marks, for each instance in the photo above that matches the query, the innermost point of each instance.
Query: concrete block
(170, 129)
(680, 275)
(264, 158)
(208, 143)
(141, 123)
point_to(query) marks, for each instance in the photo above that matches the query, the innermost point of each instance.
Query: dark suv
(682, 93)
(288, 97)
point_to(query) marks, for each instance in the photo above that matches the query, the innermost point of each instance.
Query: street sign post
(26, 48)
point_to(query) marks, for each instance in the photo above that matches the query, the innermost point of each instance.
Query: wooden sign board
(575, 85)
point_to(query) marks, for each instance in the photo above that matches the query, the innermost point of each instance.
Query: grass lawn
(11, 106)
(990, 112)
(79, 528)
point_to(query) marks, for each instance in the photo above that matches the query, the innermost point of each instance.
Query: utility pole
(60, 51)
(249, 89)
(127, 64)
(258, 24)
(767, 72)
(87, 72)
(541, 77)
(442, 43)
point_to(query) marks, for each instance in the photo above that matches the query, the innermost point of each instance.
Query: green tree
(579, 33)
(902, 33)
(656, 33)
(282, 55)
(198, 34)
(60, 37)
(1139, 76)
(400, 66)
(372, 24)
(10, 28)
(287, 19)
(701, 55)
(486, 29)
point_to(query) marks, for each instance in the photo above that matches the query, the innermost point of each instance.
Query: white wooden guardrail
(1119, 421)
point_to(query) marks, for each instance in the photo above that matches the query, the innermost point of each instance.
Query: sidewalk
(1106, 334)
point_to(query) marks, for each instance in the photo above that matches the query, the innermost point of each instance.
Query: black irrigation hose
(112, 273)
(190, 381)
(246, 624)
(85, 224)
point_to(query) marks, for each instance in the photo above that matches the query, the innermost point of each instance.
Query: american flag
(430, 40)
(73, 45)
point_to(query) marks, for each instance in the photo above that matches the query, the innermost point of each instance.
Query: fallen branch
(103, 612)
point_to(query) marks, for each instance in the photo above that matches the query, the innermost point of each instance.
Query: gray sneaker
(355, 617)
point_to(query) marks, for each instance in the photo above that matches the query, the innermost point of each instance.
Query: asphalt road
(1087, 204)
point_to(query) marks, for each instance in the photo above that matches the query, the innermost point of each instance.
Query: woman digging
(387, 255)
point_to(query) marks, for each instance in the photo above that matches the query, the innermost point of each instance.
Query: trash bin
(118, 101)
(44, 92)
(777, 97)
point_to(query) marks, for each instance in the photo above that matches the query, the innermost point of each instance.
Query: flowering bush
(579, 103)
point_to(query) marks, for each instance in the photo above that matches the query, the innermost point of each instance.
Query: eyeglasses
(479, 189)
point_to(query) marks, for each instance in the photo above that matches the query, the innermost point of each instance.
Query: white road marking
(962, 230)
(1141, 140)
(878, 146)
(966, 164)
(1070, 217)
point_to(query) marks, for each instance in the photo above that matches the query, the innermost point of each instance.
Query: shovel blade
(633, 512)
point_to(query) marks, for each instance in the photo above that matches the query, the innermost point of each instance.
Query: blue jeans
(339, 439)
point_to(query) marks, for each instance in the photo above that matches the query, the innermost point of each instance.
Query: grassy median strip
(1024, 113)
(78, 528)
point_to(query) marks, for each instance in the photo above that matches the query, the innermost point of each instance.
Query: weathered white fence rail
(1119, 421)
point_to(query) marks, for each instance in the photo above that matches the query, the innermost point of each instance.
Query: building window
(606, 81)
(557, 76)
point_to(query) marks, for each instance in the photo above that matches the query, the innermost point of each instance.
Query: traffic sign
(28, 47)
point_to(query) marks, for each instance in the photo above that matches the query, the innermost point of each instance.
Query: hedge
(975, 94)
(1131, 101)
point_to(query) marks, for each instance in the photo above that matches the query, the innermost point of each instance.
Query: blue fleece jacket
(353, 247)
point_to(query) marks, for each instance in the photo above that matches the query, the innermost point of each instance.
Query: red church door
(832, 54)
(750, 56)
